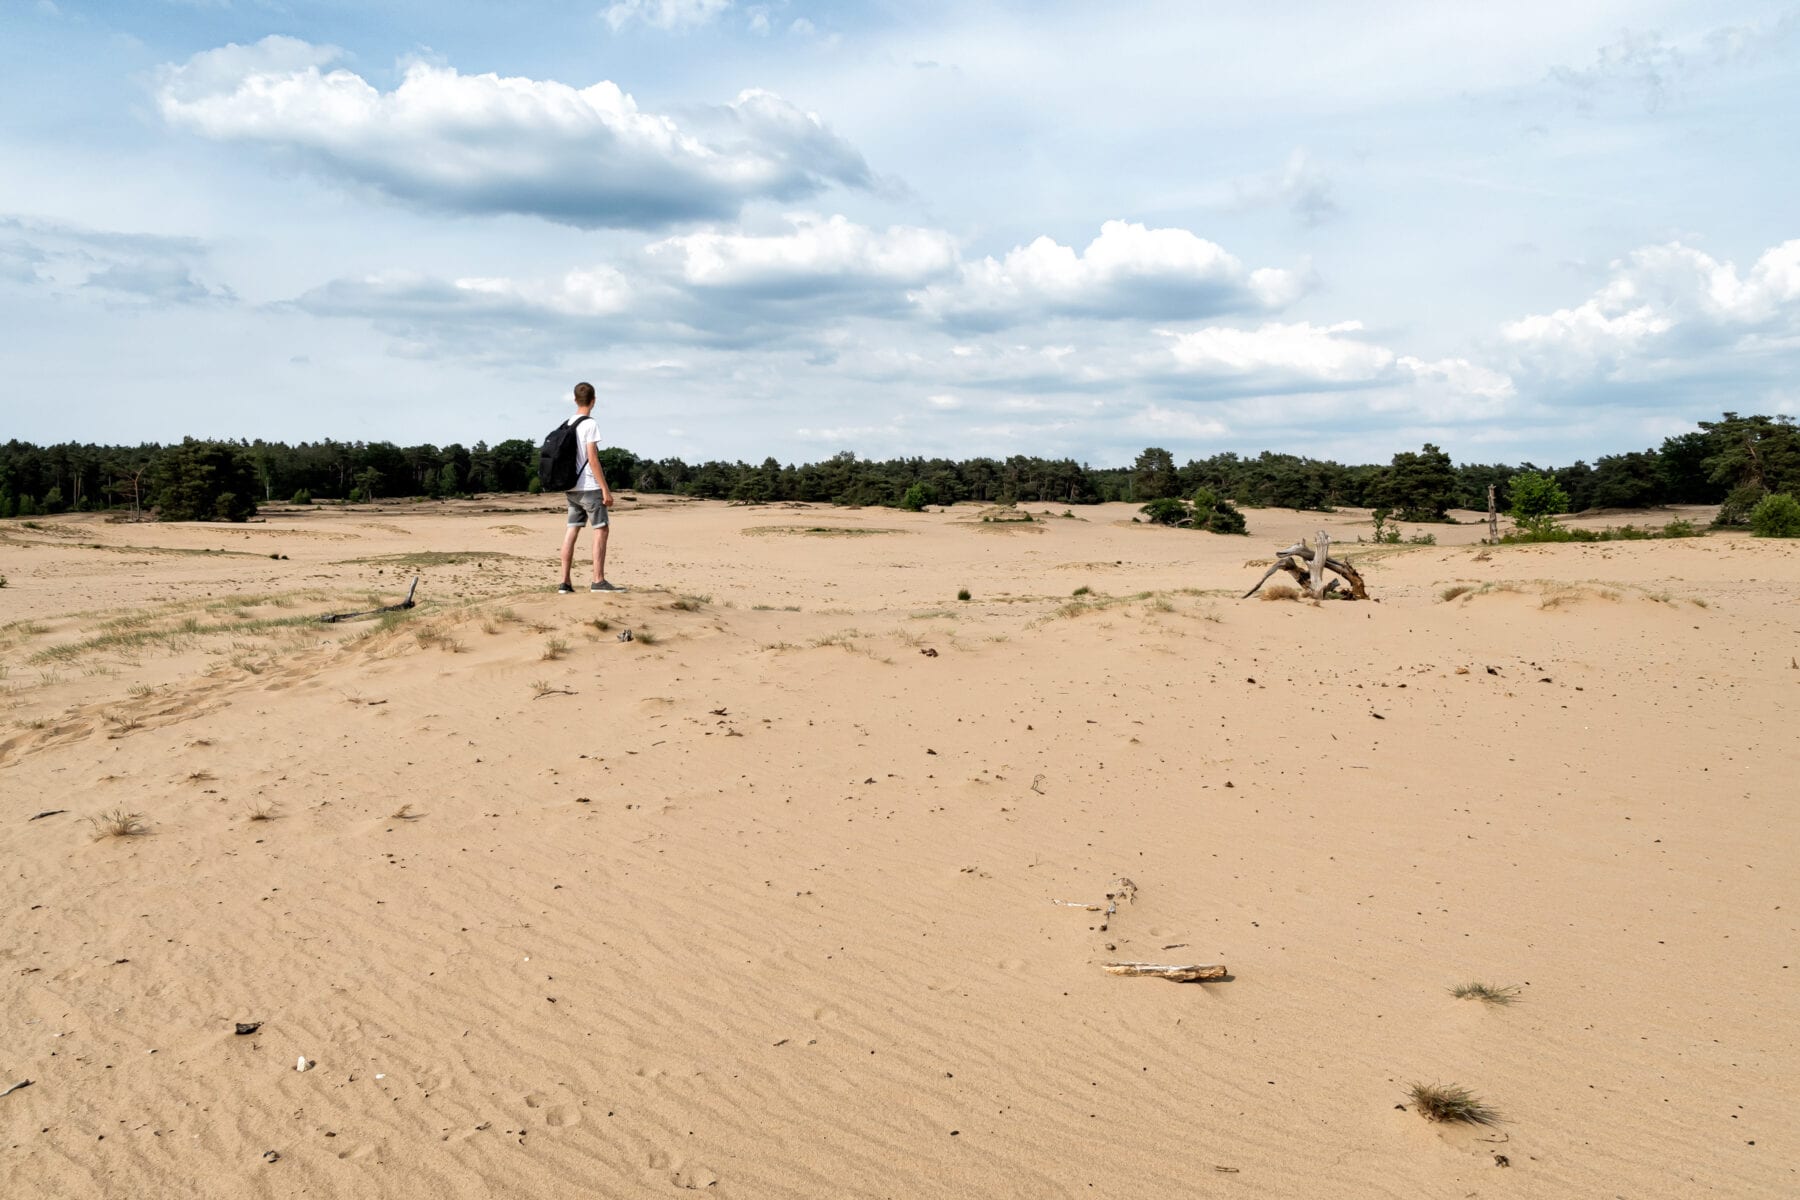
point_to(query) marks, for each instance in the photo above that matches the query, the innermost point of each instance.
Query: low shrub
(1738, 505)
(1776, 516)
(1447, 1102)
(1168, 510)
(1208, 511)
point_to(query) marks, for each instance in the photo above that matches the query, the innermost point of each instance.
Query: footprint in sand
(555, 1115)
(1012, 964)
(694, 1179)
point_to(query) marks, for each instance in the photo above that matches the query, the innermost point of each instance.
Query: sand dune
(760, 904)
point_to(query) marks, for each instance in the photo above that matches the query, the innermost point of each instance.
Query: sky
(1525, 232)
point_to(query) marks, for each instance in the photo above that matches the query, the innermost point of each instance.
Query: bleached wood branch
(1181, 973)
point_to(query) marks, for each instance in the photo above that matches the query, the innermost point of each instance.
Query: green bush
(1208, 511)
(915, 499)
(1777, 515)
(1738, 505)
(1225, 519)
(535, 485)
(1167, 510)
(1536, 499)
(962, 594)
(302, 497)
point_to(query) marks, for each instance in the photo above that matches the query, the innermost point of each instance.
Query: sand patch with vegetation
(789, 894)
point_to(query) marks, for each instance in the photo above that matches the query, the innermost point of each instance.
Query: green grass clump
(118, 824)
(1486, 992)
(1449, 1103)
(962, 594)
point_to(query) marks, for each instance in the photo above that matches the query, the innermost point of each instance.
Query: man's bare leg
(600, 553)
(568, 550)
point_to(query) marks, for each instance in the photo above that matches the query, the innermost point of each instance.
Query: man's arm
(606, 496)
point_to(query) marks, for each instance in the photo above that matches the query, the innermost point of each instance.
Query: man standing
(590, 497)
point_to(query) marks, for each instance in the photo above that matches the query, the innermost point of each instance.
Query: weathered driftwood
(1308, 564)
(1181, 973)
(1121, 889)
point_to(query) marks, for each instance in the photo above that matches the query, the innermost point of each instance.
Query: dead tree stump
(1308, 565)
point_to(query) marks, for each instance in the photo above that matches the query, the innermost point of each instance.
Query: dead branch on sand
(1308, 564)
(1120, 889)
(1181, 973)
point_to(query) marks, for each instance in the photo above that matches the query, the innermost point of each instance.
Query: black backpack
(559, 462)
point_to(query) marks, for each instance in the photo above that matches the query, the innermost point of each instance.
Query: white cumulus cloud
(1665, 307)
(1129, 270)
(665, 14)
(441, 140)
(816, 254)
(1284, 353)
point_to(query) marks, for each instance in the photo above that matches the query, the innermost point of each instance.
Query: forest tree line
(1732, 461)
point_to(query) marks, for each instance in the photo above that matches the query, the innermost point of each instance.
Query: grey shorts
(585, 508)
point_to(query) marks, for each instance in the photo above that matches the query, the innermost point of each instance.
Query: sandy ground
(760, 905)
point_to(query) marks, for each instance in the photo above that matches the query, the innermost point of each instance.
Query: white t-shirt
(589, 433)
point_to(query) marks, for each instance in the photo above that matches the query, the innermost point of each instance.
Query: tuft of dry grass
(601, 624)
(1280, 591)
(1455, 590)
(262, 810)
(404, 813)
(118, 824)
(646, 637)
(1486, 992)
(201, 777)
(554, 649)
(1449, 1103)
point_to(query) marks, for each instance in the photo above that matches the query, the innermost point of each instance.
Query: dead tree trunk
(1493, 519)
(1308, 564)
(1321, 552)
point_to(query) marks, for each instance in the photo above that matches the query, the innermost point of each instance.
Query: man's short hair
(584, 395)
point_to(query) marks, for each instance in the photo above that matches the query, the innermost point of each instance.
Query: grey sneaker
(605, 585)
